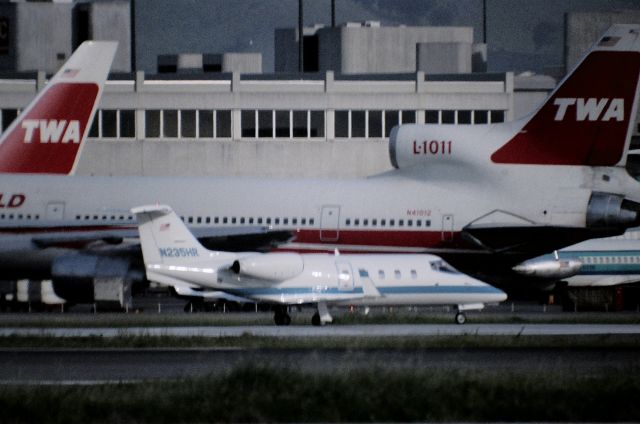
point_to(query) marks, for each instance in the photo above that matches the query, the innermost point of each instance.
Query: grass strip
(258, 394)
(613, 341)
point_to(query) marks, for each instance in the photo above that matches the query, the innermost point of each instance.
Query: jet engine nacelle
(413, 144)
(552, 269)
(612, 210)
(269, 266)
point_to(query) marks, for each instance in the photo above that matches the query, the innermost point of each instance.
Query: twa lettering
(433, 147)
(52, 130)
(590, 109)
(12, 200)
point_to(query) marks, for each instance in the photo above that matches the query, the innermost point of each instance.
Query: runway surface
(416, 330)
(95, 366)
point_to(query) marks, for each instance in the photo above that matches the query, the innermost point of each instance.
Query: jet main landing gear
(281, 315)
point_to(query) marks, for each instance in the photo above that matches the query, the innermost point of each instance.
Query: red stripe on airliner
(580, 124)
(27, 150)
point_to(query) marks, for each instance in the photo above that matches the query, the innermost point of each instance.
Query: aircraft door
(330, 223)
(447, 227)
(55, 210)
(345, 276)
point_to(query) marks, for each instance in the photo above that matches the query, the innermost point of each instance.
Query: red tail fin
(48, 135)
(587, 120)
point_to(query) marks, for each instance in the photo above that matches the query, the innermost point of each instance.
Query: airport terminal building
(218, 114)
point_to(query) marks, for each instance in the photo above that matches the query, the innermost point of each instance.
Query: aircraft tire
(461, 318)
(315, 320)
(281, 317)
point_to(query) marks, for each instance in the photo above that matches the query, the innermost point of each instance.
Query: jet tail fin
(48, 135)
(165, 239)
(588, 119)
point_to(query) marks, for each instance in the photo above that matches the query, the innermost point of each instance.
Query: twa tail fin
(47, 137)
(588, 119)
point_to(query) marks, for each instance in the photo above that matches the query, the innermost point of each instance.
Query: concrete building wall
(584, 28)
(444, 58)
(112, 21)
(356, 48)
(286, 50)
(244, 63)
(391, 49)
(43, 35)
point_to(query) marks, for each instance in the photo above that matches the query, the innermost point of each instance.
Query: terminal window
(283, 124)
(188, 123)
(464, 117)
(127, 123)
(170, 123)
(391, 119)
(8, 115)
(375, 124)
(432, 117)
(300, 124)
(205, 123)
(480, 117)
(317, 124)
(248, 118)
(109, 123)
(358, 123)
(408, 116)
(497, 116)
(265, 123)
(448, 116)
(113, 124)
(152, 123)
(223, 124)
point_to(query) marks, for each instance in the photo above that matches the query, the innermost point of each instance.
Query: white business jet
(174, 257)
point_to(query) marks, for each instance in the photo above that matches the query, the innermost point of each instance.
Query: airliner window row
(374, 222)
(19, 216)
(104, 217)
(610, 259)
(225, 220)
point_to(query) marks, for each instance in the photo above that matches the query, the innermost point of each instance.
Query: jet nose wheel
(461, 318)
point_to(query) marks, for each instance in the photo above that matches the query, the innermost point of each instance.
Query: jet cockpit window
(442, 266)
